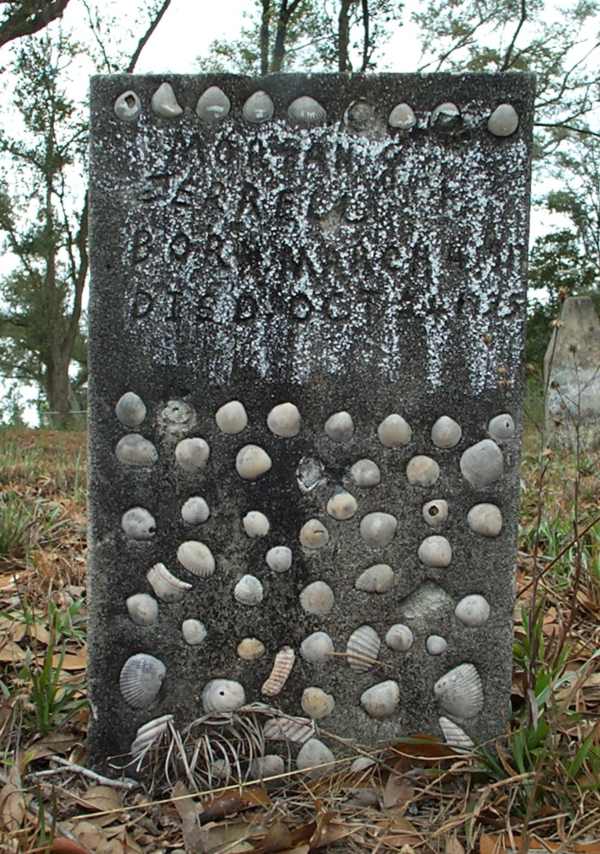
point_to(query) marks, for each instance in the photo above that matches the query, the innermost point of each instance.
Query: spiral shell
(167, 587)
(376, 579)
(362, 648)
(285, 728)
(248, 590)
(223, 695)
(282, 667)
(317, 648)
(314, 753)
(460, 691)
(143, 609)
(140, 680)
(381, 700)
(197, 558)
(454, 735)
(149, 733)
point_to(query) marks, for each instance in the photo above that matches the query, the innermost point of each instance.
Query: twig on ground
(70, 767)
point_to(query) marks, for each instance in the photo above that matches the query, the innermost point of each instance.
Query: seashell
(134, 450)
(339, 427)
(402, 117)
(361, 763)
(167, 587)
(128, 106)
(248, 590)
(314, 753)
(362, 648)
(270, 765)
(223, 695)
(309, 474)
(435, 512)
(193, 631)
(149, 733)
(503, 121)
(130, 409)
(279, 558)
(422, 471)
(399, 637)
(482, 464)
(394, 431)
(427, 603)
(446, 117)
(284, 420)
(177, 417)
(317, 598)
(376, 579)
(342, 506)
(485, 519)
(378, 529)
(256, 524)
(314, 534)
(307, 112)
(360, 116)
(195, 511)
(502, 427)
(282, 667)
(381, 700)
(140, 680)
(436, 645)
(285, 728)
(446, 433)
(252, 462)
(454, 735)
(317, 648)
(460, 692)
(231, 418)
(138, 524)
(473, 610)
(365, 473)
(250, 649)
(435, 551)
(213, 105)
(197, 558)
(192, 454)
(258, 108)
(164, 102)
(316, 703)
(142, 608)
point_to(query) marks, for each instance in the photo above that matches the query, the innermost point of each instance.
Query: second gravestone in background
(307, 318)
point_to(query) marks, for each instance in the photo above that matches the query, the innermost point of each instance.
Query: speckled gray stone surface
(346, 266)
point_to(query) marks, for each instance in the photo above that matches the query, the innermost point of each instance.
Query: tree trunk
(344, 36)
(265, 22)
(58, 393)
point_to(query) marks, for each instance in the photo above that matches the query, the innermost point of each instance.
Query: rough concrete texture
(572, 377)
(347, 266)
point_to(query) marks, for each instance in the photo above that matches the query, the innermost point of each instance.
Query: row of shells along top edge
(214, 106)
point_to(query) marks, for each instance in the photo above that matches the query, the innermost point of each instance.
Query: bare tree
(26, 17)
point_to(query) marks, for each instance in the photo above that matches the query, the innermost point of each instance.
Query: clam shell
(167, 587)
(258, 108)
(138, 524)
(427, 603)
(270, 765)
(365, 473)
(446, 433)
(503, 121)
(164, 102)
(485, 519)
(361, 764)
(422, 471)
(362, 648)
(306, 112)
(213, 105)
(223, 695)
(192, 454)
(399, 637)
(435, 551)
(314, 753)
(482, 464)
(149, 733)
(316, 703)
(250, 648)
(314, 534)
(394, 431)
(473, 610)
(435, 512)
(128, 106)
(248, 590)
(378, 529)
(402, 117)
(339, 427)
(134, 450)
(376, 579)
(381, 700)
(282, 667)
(279, 558)
(197, 558)
(317, 648)
(256, 524)
(454, 735)
(436, 645)
(195, 511)
(342, 506)
(232, 418)
(460, 691)
(446, 117)
(285, 728)
(252, 462)
(317, 598)
(140, 680)
(130, 409)
(502, 427)
(143, 609)
(193, 631)
(284, 420)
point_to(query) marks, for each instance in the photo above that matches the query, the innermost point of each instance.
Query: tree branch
(146, 37)
(508, 55)
(366, 38)
(25, 20)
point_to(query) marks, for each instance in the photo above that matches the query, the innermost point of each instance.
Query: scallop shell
(213, 105)
(376, 579)
(193, 631)
(197, 558)
(130, 409)
(365, 473)
(435, 512)
(223, 695)
(248, 590)
(381, 700)
(482, 464)
(250, 649)
(473, 610)
(422, 471)
(316, 703)
(140, 680)
(339, 427)
(436, 645)
(317, 648)
(282, 667)
(314, 534)
(435, 551)
(232, 418)
(134, 450)
(378, 529)
(285, 728)
(317, 598)
(256, 524)
(485, 519)
(362, 648)
(454, 735)
(342, 506)
(314, 753)
(279, 558)
(270, 765)
(195, 511)
(164, 102)
(167, 587)
(284, 420)
(149, 733)
(128, 106)
(192, 454)
(143, 609)
(460, 691)
(138, 524)
(252, 462)
(306, 112)
(399, 637)
(446, 432)
(394, 431)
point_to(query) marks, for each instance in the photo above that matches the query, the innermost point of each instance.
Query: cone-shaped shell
(195, 511)
(435, 512)
(282, 667)
(314, 534)
(317, 648)
(473, 610)
(502, 427)
(193, 631)
(231, 418)
(312, 754)
(213, 105)
(279, 558)
(460, 692)
(252, 462)
(197, 558)
(376, 579)
(140, 680)
(143, 609)
(284, 728)
(248, 590)
(435, 551)
(504, 120)
(339, 426)
(134, 450)
(365, 473)
(164, 102)
(138, 524)
(394, 431)
(256, 524)
(381, 700)
(166, 586)
(149, 733)
(130, 409)
(192, 454)
(362, 648)
(482, 464)
(422, 471)
(454, 735)
(250, 649)
(284, 420)
(306, 112)
(258, 108)
(317, 598)
(316, 703)
(128, 106)
(378, 529)
(342, 506)
(399, 637)
(485, 519)
(446, 433)
(223, 695)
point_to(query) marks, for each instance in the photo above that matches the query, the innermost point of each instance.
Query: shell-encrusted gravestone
(307, 315)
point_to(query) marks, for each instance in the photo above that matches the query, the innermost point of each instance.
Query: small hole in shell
(130, 101)
(433, 511)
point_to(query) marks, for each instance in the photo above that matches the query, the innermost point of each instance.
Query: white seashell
(282, 667)
(436, 645)
(435, 551)
(143, 609)
(314, 534)
(316, 703)
(399, 637)
(284, 420)
(394, 431)
(361, 764)
(485, 519)
(427, 603)
(307, 112)
(197, 558)
(446, 433)
(252, 462)
(248, 590)
(177, 417)
(193, 631)
(381, 700)
(376, 579)
(231, 418)
(402, 117)
(140, 680)
(149, 733)
(213, 105)
(339, 426)
(365, 473)
(312, 754)
(503, 121)
(130, 409)
(445, 117)
(317, 648)
(164, 102)
(435, 512)
(460, 692)
(192, 454)
(258, 108)
(134, 450)
(279, 558)
(502, 427)
(270, 765)
(128, 106)
(167, 587)
(473, 610)
(362, 648)
(256, 524)
(250, 649)
(223, 695)
(422, 471)
(378, 529)
(285, 728)
(138, 524)
(195, 511)
(482, 464)
(317, 598)
(454, 735)
(342, 506)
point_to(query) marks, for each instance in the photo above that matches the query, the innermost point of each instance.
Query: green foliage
(15, 519)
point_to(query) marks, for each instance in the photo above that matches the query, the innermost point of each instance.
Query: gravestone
(306, 328)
